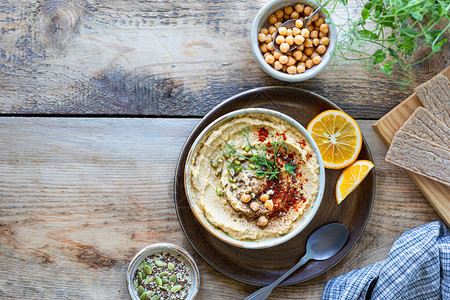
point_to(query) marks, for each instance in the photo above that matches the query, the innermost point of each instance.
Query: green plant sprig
(395, 28)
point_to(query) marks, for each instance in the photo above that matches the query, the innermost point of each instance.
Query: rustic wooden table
(96, 101)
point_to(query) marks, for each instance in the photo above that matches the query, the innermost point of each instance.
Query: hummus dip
(253, 176)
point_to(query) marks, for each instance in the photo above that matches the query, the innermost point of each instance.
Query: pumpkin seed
(237, 162)
(173, 278)
(252, 166)
(141, 266)
(136, 283)
(232, 179)
(247, 148)
(163, 288)
(164, 280)
(176, 288)
(214, 163)
(219, 191)
(233, 186)
(218, 172)
(149, 279)
(163, 274)
(140, 276)
(158, 280)
(147, 269)
(159, 264)
(144, 296)
(171, 266)
(220, 159)
(231, 171)
(140, 290)
(155, 297)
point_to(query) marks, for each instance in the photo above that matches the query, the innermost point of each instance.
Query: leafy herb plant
(388, 31)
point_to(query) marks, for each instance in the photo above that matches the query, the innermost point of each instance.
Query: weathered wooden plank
(79, 197)
(155, 58)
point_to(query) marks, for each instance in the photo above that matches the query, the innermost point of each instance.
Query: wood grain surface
(437, 193)
(80, 196)
(158, 58)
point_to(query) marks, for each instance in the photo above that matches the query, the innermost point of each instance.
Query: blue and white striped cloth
(417, 267)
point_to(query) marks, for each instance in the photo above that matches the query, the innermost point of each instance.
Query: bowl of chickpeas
(314, 45)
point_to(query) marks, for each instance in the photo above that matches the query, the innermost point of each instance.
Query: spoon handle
(264, 292)
(310, 17)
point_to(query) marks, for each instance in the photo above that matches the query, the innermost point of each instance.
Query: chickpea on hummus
(254, 176)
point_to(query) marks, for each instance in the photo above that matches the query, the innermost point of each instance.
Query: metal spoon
(289, 24)
(324, 243)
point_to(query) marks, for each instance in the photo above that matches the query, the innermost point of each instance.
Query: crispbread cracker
(420, 156)
(424, 125)
(435, 96)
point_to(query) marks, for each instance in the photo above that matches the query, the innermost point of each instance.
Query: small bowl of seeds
(163, 271)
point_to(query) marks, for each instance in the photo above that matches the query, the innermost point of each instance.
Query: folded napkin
(417, 267)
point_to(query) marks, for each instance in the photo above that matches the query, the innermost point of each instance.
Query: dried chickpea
(320, 21)
(316, 60)
(314, 34)
(286, 17)
(321, 34)
(277, 54)
(295, 15)
(284, 68)
(288, 10)
(262, 37)
(246, 198)
(299, 8)
(307, 10)
(290, 40)
(304, 58)
(272, 29)
(301, 64)
(292, 70)
(277, 65)
(325, 41)
(299, 24)
(314, 54)
(284, 47)
(279, 13)
(273, 19)
(283, 59)
(269, 38)
(262, 221)
(289, 32)
(254, 206)
(309, 23)
(309, 63)
(321, 49)
(291, 61)
(308, 43)
(297, 54)
(263, 48)
(265, 55)
(269, 203)
(300, 69)
(280, 39)
(310, 28)
(270, 46)
(301, 47)
(324, 28)
(308, 51)
(278, 24)
(298, 39)
(295, 31)
(282, 30)
(316, 42)
(315, 18)
(270, 59)
(264, 197)
(305, 33)
(264, 30)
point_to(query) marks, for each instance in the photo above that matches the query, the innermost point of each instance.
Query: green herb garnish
(259, 161)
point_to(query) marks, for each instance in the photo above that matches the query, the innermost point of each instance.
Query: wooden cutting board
(437, 194)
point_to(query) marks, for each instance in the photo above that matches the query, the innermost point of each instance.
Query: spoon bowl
(324, 243)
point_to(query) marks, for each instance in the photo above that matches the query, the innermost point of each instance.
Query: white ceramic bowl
(298, 226)
(261, 20)
(171, 249)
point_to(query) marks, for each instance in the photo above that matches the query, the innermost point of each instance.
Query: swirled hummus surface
(254, 176)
